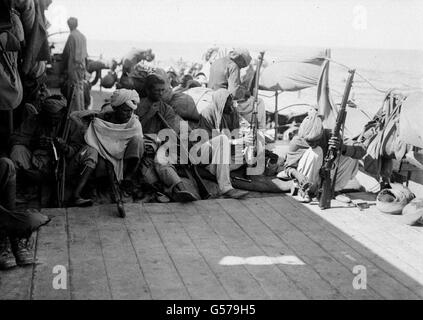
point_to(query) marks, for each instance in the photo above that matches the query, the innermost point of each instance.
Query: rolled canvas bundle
(394, 200)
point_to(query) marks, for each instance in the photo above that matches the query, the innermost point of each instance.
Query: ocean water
(384, 69)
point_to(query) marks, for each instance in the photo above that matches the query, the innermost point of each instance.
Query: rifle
(254, 119)
(60, 170)
(202, 189)
(326, 188)
(115, 189)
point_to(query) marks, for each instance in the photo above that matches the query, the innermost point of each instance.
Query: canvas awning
(294, 73)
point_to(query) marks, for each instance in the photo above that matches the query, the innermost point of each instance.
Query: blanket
(111, 140)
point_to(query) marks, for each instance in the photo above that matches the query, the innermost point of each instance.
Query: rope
(348, 68)
(357, 73)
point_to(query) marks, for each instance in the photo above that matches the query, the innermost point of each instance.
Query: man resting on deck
(15, 226)
(151, 124)
(217, 116)
(307, 151)
(114, 136)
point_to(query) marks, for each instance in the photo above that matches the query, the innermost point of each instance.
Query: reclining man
(115, 136)
(153, 167)
(307, 151)
(15, 227)
(218, 116)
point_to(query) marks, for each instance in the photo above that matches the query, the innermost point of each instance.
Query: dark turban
(53, 104)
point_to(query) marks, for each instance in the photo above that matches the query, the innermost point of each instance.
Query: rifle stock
(326, 188)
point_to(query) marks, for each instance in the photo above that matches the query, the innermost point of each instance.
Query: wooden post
(276, 115)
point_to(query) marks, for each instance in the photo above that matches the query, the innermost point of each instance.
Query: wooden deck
(176, 251)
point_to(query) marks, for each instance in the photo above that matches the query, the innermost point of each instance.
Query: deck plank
(409, 275)
(236, 280)
(126, 279)
(327, 266)
(199, 279)
(355, 224)
(159, 270)
(273, 281)
(89, 279)
(392, 242)
(385, 278)
(305, 277)
(52, 250)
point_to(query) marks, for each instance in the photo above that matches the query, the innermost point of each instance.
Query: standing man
(74, 65)
(225, 73)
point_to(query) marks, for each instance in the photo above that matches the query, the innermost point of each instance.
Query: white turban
(312, 127)
(129, 97)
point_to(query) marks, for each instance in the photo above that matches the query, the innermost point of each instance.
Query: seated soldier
(115, 136)
(307, 151)
(152, 125)
(15, 227)
(33, 149)
(215, 118)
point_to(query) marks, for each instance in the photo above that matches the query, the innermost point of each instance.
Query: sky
(380, 24)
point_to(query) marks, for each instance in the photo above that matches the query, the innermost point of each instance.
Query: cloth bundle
(394, 200)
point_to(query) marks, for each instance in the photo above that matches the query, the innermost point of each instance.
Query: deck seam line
(261, 248)
(102, 255)
(136, 254)
(230, 250)
(200, 253)
(168, 253)
(297, 254)
(375, 264)
(34, 266)
(69, 257)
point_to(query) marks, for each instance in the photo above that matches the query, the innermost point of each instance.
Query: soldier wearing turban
(307, 151)
(113, 135)
(38, 140)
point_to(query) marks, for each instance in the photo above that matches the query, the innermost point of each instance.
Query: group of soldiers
(130, 140)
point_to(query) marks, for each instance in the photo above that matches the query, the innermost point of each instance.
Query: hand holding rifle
(335, 145)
